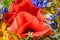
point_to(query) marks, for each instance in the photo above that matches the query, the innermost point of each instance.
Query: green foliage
(57, 20)
(28, 37)
(6, 3)
(14, 37)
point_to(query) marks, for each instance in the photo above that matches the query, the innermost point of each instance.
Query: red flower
(24, 17)
(24, 20)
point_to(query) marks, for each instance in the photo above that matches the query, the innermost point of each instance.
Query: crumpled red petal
(31, 22)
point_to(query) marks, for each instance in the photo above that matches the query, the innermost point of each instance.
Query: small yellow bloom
(3, 31)
(52, 10)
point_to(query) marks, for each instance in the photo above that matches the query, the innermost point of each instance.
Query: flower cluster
(30, 20)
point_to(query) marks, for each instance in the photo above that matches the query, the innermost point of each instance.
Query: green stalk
(14, 37)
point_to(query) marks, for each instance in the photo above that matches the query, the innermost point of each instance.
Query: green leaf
(14, 37)
(6, 3)
(27, 38)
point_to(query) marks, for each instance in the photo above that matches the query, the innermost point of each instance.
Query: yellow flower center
(1, 34)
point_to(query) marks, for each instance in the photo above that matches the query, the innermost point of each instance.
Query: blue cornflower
(3, 10)
(40, 3)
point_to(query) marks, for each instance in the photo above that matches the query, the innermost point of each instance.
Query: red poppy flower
(24, 17)
(25, 22)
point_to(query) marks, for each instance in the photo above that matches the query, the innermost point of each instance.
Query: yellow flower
(3, 31)
(52, 10)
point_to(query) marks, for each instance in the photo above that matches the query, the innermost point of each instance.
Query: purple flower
(57, 11)
(53, 25)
